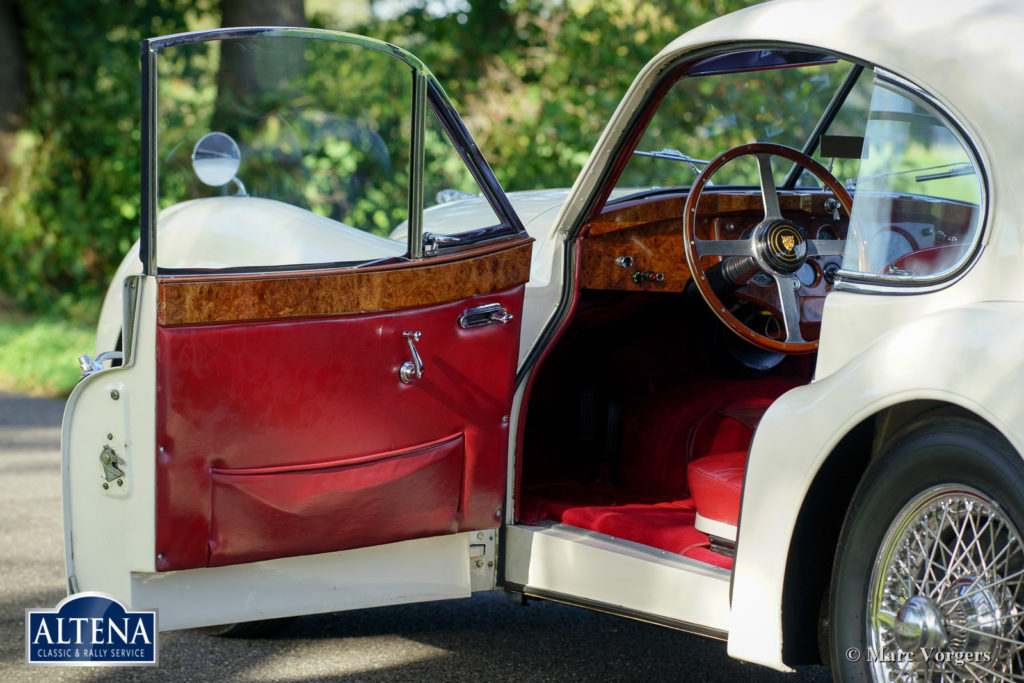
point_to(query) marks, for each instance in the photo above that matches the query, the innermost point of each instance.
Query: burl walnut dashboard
(637, 245)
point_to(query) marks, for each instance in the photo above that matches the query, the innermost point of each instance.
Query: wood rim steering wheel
(777, 246)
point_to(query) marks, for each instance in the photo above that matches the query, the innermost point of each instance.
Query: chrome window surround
(871, 283)
(419, 114)
(427, 91)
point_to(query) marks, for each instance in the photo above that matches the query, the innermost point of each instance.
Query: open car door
(312, 410)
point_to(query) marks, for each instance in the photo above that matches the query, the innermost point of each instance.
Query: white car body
(880, 355)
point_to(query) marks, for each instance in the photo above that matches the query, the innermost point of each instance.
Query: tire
(950, 490)
(263, 628)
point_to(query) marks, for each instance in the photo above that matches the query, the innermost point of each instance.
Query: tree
(241, 78)
(264, 13)
(12, 83)
(70, 209)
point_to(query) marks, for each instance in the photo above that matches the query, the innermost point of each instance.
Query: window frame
(881, 283)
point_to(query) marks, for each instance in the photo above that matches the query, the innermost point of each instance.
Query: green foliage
(73, 206)
(537, 90)
(39, 354)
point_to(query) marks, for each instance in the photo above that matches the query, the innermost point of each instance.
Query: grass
(39, 355)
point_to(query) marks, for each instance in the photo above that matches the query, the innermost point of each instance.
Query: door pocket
(269, 512)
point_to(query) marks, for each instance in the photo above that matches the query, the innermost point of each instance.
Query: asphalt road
(484, 638)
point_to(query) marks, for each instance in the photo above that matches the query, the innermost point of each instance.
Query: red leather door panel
(293, 436)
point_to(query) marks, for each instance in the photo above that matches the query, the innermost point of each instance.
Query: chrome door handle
(413, 369)
(484, 315)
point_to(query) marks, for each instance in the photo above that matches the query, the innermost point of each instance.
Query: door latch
(112, 464)
(413, 369)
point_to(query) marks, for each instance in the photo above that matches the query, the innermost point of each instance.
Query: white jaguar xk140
(756, 375)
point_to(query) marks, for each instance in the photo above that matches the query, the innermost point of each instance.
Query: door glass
(446, 179)
(452, 199)
(323, 130)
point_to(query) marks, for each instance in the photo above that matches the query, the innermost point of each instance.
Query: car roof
(968, 55)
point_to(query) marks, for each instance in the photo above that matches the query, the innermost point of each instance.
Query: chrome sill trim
(618, 611)
(652, 554)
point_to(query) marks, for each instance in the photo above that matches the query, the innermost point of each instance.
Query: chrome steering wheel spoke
(724, 247)
(790, 306)
(769, 195)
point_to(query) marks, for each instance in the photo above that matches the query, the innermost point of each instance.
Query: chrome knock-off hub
(918, 624)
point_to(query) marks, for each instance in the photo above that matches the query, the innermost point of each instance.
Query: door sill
(594, 570)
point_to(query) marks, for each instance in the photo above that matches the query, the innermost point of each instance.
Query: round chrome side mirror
(215, 159)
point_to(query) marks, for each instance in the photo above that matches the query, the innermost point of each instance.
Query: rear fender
(967, 356)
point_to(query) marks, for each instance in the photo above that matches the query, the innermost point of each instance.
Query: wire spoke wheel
(945, 599)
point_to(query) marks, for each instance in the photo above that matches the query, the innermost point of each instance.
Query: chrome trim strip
(419, 107)
(455, 128)
(147, 200)
(177, 39)
(132, 305)
(904, 286)
(616, 610)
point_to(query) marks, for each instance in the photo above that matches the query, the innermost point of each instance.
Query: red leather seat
(716, 484)
(663, 433)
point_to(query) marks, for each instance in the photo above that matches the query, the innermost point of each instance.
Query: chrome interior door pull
(484, 315)
(413, 369)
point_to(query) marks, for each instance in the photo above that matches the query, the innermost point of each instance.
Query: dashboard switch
(641, 276)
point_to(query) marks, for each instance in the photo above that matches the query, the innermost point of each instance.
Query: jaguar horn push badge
(782, 246)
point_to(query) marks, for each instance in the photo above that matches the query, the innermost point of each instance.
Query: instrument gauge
(827, 232)
(808, 275)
